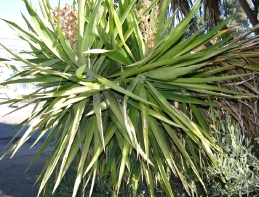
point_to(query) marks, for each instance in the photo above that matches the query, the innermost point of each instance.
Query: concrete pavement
(11, 120)
(14, 181)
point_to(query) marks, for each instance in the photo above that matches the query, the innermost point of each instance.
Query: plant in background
(125, 108)
(236, 172)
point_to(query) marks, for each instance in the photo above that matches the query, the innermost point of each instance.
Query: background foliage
(237, 169)
(227, 8)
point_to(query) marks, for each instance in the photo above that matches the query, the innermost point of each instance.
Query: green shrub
(237, 169)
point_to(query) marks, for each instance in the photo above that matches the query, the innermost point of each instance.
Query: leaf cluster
(116, 107)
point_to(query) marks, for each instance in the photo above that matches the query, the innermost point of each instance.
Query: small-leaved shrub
(237, 169)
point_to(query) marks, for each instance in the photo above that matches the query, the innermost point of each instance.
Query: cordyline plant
(121, 91)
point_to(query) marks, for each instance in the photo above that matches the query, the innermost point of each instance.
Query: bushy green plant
(236, 172)
(121, 91)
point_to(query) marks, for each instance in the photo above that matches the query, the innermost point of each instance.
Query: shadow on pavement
(14, 181)
(7, 130)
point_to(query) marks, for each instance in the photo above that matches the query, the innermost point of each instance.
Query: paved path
(14, 181)
(9, 121)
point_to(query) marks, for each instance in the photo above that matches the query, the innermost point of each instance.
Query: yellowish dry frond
(148, 30)
(68, 23)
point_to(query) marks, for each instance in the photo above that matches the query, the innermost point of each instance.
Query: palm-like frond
(113, 94)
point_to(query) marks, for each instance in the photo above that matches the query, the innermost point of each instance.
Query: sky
(11, 10)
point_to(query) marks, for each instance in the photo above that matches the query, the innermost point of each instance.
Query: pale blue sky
(11, 10)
